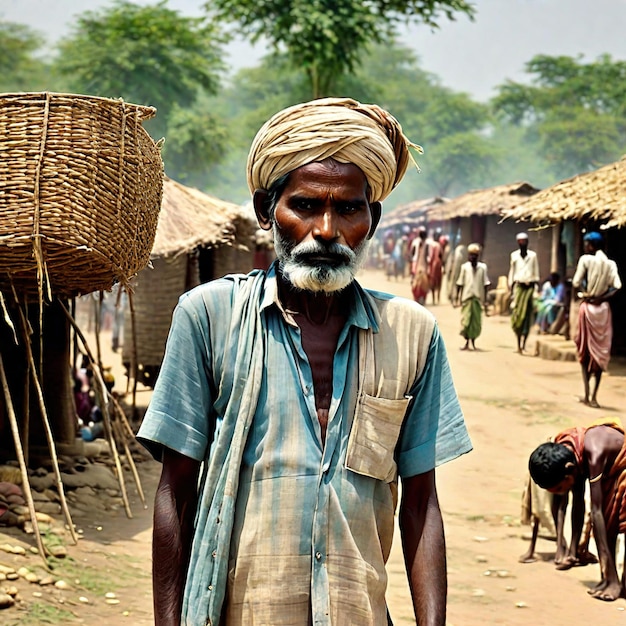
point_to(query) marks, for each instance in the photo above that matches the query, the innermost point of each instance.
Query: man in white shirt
(523, 277)
(596, 280)
(471, 294)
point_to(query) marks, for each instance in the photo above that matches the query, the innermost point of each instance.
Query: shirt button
(318, 555)
(214, 553)
(210, 587)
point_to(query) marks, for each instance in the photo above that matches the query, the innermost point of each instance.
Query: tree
(327, 38)
(574, 112)
(20, 69)
(146, 54)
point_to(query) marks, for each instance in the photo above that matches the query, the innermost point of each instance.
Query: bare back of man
(605, 460)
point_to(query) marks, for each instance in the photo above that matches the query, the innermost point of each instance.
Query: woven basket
(80, 192)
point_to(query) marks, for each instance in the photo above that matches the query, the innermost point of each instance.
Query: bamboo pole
(134, 366)
(125, 427)
(46, 422)
(131, 462)
(102, 392)
(19, 450)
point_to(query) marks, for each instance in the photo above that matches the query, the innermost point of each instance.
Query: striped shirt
(310, 533)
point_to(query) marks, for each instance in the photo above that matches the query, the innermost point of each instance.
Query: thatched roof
(598, 195)
(190, 218)
(491, 201)
(410, 212)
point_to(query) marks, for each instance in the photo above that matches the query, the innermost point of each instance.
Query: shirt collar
(363, 312)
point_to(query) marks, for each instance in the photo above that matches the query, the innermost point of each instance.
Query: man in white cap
(471, 294)
(290, 400)
(523, 277)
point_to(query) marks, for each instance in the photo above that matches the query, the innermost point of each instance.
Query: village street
(511, 402)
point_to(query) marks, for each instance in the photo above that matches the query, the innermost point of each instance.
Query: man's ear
(261, 208)
(376, 209)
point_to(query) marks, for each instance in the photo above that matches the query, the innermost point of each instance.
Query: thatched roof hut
(411, 213)
(491, 201)
(599, 196)
(198, 238)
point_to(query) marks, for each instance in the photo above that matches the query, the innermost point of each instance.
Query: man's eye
(350, 208)
(304, 205)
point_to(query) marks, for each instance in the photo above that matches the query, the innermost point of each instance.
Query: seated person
(596, 453)
(550, 302)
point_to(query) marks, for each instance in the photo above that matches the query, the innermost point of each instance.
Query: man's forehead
(324, 174)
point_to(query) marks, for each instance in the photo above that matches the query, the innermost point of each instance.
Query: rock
(109, 595)
(6, 569)
(112, 601)
(83, 600)
(61, 584)
(6, 601)
(44, 518)
(5, 547)
(9, 474)
(46, 580)
(95, 475)
(12, 591)
(58, 551)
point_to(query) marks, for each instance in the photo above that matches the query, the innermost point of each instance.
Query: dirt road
(511, 403)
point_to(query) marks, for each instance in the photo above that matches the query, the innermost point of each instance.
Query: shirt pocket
(374, 435)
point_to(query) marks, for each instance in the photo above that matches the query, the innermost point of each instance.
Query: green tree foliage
(149, 54)
(327, 38)
(574, 112)
(432, 116)
(20, 68)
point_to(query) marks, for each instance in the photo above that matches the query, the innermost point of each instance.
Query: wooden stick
(46, 422)
(101, 393)
(131, 462)
(133, 359)
(19, 450)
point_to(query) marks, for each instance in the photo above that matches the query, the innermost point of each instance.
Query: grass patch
(43, 613)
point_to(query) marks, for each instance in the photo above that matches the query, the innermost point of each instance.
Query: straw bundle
(80, 192)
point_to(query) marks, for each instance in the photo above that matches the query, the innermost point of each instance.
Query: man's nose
(326, 226)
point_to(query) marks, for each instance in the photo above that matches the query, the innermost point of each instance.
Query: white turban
(338, 128)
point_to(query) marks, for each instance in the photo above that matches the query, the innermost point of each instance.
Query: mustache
(303, 251)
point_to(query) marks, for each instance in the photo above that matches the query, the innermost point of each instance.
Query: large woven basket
(80, 192)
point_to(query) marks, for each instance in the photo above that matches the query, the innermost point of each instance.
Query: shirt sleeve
(180, 415)
(579, 274)
(434, 430)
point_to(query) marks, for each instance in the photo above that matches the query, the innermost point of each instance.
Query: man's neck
(315, 306)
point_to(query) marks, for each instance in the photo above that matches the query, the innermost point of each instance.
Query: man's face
(522, 243)
(321, 224)
(564, 486)
(473, 257)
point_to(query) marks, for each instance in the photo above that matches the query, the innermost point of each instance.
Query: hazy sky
(467, 56)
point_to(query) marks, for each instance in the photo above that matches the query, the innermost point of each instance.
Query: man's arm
(423, 542)
(174, 513)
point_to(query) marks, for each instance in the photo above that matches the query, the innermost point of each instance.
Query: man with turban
(471, 293)
(596, 280)
(290, 400)
(523, 278)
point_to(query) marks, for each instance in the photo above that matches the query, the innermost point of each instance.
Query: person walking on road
(523, 278)
(471, 294)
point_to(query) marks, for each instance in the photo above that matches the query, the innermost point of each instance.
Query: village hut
(198, 238)
(476, 217)
(409, 215)
(590, 201)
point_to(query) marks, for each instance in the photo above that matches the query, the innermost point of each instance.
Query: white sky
(467, 56)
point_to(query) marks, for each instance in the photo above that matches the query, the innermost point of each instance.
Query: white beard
(316, 275)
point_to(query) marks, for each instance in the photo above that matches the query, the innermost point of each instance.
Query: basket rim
(148, 111)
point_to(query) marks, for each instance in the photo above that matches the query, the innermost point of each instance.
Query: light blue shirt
(308, 534)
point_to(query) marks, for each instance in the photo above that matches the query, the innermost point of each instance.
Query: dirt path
(511, 403)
